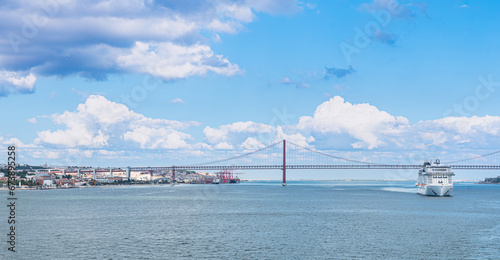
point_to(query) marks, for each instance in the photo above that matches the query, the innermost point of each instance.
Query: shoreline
(243, 181)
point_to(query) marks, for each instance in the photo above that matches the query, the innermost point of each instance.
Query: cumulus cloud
(469, 125)
(224, 146)
(338, 72)
(251, 135)
(102, 127)
(157, 138)
(364, 122)
(16, 142)
(457, 132)
(101, 123)
(296, 138)
(251, 144)
(364, 126)
(94, 39)
(16, 82)
(171, 61)
(236, 132)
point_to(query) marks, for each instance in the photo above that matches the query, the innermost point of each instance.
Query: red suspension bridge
(285, 155)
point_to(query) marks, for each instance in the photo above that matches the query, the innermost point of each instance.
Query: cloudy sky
(144, 82)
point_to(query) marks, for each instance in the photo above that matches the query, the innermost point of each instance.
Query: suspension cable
(473, 158)
(332, 156)
(241, 155)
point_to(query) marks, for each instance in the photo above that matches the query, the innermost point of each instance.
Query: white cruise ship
(435, 179)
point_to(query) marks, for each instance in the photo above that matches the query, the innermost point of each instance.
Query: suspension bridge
(285, 155)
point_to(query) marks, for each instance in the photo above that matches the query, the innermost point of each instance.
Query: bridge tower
(284, 163)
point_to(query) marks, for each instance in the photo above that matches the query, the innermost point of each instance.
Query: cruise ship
(435, 179)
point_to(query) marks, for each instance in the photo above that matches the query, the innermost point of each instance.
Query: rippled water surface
(305, 220)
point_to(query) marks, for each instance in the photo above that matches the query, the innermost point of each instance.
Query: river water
(257, 220)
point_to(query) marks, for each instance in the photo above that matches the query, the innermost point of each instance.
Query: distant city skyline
(148, 83)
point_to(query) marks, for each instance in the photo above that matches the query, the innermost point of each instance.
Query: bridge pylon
(284, 163)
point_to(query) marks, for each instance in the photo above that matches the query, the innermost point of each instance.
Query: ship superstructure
(435, 179)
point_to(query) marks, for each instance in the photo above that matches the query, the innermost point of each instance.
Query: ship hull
(435, 190)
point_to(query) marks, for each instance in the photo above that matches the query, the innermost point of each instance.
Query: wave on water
(395, 189)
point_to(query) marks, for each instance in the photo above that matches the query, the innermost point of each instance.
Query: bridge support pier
(284, 163)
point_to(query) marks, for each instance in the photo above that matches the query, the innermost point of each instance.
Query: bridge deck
(305, 167)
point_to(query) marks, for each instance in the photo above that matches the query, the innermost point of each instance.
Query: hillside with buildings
(66, 177)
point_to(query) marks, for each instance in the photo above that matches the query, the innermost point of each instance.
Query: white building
(48, 183)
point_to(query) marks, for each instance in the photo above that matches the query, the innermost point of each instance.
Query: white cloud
(286, 80)
(224, 146)
(177, 101)
(437, 138)
(370, 128)
(157, 138)
(296, 138)
(109, 153)
(16, 82)
(113, 129)
(170, 61)
(238, 12)
(214, 135)
(361, 121)
(469, 125)
(16, 142)
(169, 39)
(100, 123)
(236, 131)
(451, 132)
(52, 155)
(251, 144)
(32, 120)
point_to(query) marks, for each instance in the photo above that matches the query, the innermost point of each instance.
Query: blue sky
(110, 83)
